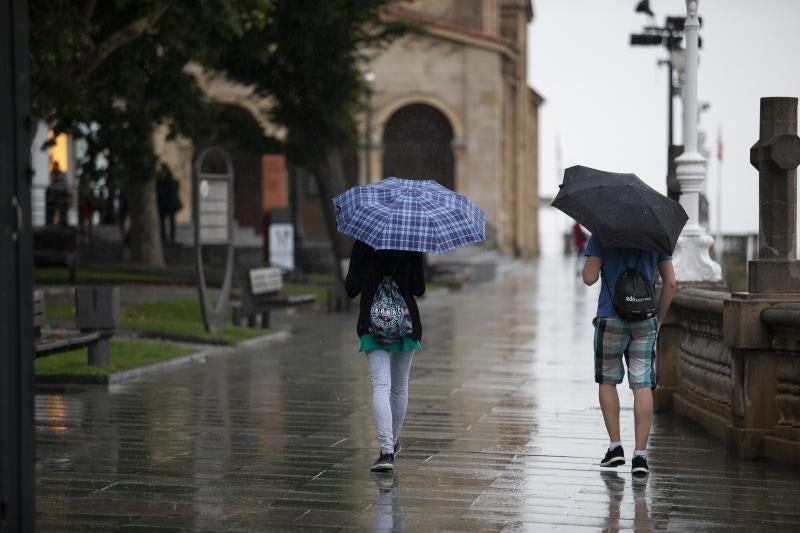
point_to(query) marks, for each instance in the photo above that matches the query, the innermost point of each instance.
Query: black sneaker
(397, 448)
(615, 457)
(639, 466)
(384, 463)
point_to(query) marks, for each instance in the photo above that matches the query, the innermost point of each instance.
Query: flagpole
(719, 189)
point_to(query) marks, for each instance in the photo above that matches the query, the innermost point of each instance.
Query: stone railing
(732, 365)
(731, 362)
(693, 364)
(783, 324)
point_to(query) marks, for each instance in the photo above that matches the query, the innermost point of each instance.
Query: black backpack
(634, 296)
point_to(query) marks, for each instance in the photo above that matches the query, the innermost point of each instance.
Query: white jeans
(389, 372)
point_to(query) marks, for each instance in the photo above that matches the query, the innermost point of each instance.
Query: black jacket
(368, 268)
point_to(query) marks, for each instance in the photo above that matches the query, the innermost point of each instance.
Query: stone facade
(466, 65)
(470, 64)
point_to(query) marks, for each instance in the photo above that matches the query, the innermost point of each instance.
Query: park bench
(96, 318)
(261, 289)
(56, 246)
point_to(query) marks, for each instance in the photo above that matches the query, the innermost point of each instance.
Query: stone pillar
(776, 155)
(773, 278)
(692, 260)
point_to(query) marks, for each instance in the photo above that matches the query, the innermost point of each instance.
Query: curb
(135, 373)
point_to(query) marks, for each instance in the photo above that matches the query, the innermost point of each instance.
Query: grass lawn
(320, 277)
(177, 317)
(180, 317)
(59, 310)
(60, 276)
(431, 286)
(126, 354)
(293, 289)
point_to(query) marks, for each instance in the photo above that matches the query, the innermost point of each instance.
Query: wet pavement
(503, 433)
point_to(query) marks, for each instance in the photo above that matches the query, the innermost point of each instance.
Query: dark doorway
(417, 144)
(242, 135)
(16, 297)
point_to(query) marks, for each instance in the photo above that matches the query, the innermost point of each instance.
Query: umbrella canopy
(620, 209)
(411, 215)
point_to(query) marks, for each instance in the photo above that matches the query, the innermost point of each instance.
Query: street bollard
(97, 309)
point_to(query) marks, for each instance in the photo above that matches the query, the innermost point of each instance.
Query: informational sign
(214, 211)
(281, 246)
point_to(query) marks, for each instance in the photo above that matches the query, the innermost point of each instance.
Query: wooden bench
(91, 334)
(261, 289)
(56, 246)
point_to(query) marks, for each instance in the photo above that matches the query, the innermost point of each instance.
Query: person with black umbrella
(634, 231)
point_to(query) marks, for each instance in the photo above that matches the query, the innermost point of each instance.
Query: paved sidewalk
(503, 433)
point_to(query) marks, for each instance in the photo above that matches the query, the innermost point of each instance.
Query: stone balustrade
(737, 376)
(783, 323)
(694, 366)
(731, 362)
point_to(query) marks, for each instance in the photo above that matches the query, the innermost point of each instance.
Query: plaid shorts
(615, 338)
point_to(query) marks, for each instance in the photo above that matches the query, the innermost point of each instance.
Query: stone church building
(452, 103)
(448, 102)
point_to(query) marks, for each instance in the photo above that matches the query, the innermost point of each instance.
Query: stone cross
(776, 155)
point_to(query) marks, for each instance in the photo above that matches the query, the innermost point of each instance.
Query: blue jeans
(389, 373)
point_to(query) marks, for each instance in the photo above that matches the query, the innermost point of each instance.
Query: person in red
(579, 240)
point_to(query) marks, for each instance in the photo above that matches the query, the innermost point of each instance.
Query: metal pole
(670, 128)
(16, 292)
(692, 260)
(690, 89)
(368, 140)
(719, 187)
(669, 97)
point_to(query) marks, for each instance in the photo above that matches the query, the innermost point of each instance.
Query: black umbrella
(620, 209)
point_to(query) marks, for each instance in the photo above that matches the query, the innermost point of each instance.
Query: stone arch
(383, 114)
(417, 143)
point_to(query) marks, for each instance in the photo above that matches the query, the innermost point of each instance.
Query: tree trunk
(329, 173)
(144, 231)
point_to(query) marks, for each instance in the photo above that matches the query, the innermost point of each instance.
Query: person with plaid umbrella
(394, 222)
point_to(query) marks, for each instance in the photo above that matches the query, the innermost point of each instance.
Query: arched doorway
(238, 131)
(417, 144)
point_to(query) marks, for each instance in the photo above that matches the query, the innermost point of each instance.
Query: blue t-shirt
(615, 261)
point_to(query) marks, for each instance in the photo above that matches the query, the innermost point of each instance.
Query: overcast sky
(607, 100)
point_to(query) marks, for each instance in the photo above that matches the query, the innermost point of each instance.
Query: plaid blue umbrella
(411, 215)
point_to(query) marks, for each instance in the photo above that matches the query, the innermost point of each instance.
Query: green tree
(121, 65)
(309, 60)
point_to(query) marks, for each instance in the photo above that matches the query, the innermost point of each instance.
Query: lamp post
(692, 261)
(670, 37)
(369, 78)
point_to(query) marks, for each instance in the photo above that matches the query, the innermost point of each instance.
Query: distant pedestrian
(57, 196)
(123, 210)
(169, 202)
(88, 203)
(579, 244)
(624, 328)
(390, 332)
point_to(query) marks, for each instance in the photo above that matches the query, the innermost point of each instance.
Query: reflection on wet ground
(503, 433)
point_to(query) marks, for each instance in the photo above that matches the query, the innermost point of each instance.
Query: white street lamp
(369, 78)
(691, 258)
